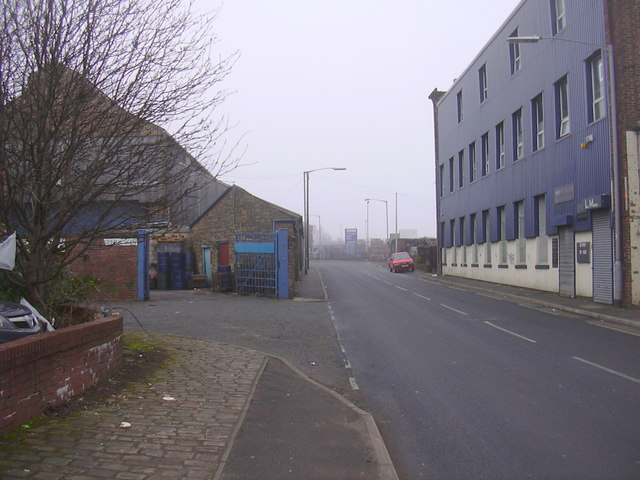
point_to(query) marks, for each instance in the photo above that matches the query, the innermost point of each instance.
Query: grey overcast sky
(345, 83)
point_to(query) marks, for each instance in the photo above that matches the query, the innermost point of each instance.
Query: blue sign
(351, 235)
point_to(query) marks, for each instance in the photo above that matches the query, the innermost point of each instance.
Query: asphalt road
(469, 386)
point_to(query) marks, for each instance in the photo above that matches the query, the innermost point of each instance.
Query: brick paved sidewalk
(182, 438)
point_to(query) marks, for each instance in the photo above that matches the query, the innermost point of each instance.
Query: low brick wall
(45, 370)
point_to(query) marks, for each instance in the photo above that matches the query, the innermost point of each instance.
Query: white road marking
(401, 288)
(454, 309)
(354, 385)
(422, 296)
(388, 283)
(347, 364)
(510, 332)
(489, 296)
(611, 327)
(607, 369)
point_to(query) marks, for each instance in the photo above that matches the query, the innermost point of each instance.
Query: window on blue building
(451, 174)
(461, 169)
(559, 16)
(537, 121)
(502, 234)
(540, 224)
(472, 162)
(563, 124)
(486, 228)
(442, 180)
(596, 87)
(500, 146)
(460, 110)
(521, 242)
(518, 137)
(514, 53)
(482, 78)
(485, 154)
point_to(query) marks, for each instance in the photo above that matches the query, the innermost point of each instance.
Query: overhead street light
(386, 206)
(613, 132)
(305, 181)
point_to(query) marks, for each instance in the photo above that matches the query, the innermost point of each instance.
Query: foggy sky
(345, 84)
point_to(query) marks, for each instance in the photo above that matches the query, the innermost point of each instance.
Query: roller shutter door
(602, 257)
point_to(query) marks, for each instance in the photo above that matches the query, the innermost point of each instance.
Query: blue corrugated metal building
(524, 156)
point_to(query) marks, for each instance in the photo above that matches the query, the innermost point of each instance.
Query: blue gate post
(282, 251)
(143, 265)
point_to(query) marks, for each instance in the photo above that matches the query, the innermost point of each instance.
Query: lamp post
(613, 132)
(305, 182)
(386, 206)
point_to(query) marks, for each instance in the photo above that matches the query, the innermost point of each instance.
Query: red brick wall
(623, 24)
(47, 369)
(115, 266)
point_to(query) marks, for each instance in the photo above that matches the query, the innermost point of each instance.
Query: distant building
(531, 188)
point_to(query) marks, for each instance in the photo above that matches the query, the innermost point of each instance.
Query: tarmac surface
(224, 412)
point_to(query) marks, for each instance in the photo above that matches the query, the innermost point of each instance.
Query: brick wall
(45, 370)
(623, 23)
(240, 212)
(116, 266)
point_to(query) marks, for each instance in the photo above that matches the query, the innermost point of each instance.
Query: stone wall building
(238, 211)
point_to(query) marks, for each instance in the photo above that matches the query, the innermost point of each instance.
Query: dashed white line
(354, 385)
(510, 332)
(388, 283)
(627, 377)
(422, 296)
(401, 288)
(454, 309)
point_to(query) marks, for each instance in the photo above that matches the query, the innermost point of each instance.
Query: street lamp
(386, 207)
(305, 182)
(613, 132)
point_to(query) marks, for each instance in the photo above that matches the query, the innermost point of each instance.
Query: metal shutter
(602, 257)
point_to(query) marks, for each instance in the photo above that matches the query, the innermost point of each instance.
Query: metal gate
(602, 257)
(262, 264)
(567, 262)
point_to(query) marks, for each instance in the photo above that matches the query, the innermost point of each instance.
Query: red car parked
(400, 262)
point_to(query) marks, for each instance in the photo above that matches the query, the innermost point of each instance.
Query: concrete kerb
(544, 303)
(383, 459)
(236, 429)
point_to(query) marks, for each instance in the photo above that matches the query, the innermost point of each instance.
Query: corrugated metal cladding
(560, 161)
(567, 266)
(602, 257)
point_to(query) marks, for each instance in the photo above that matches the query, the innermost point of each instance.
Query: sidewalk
(214, 411)
(623, 316)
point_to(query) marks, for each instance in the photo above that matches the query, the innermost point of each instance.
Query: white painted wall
(584, 271)
(530, 277)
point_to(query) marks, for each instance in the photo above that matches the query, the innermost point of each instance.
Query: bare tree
(84, 85)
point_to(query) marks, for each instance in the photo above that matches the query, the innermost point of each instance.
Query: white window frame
(485, 154)
(562, 89)
(518, 135)
(514, 54)
(538, 121)
(482, 76)
(500, 145)
(560, 13)
(596, 67)
(542, 239)
(521, 240)
(473, 170)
